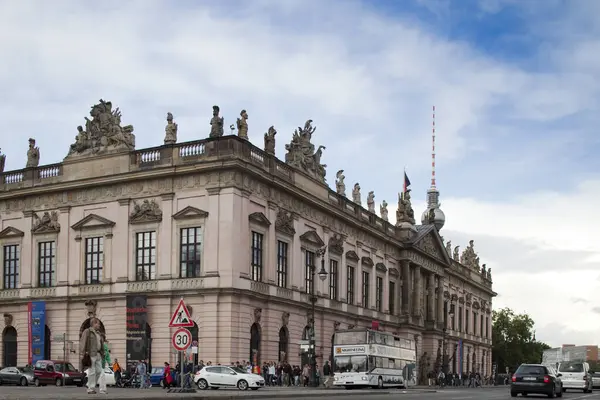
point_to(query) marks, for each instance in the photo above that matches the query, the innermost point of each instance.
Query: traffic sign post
(181, 340)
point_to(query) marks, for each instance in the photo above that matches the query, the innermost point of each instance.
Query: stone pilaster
(165, 238)
(440, 300)
(417, 292)
(28, 258)
(62, 248)
(406, 287)
(431, 297)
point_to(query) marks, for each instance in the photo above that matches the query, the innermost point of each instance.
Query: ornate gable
(431, 243)
(10, 232)
(259, 219)
(381, 267)
(351, 255)
(190, 212)
(313, 238)
(368, 261)
(92, 221)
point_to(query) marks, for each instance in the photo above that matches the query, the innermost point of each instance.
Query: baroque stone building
(234, 231)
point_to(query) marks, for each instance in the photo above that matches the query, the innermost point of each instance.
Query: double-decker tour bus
(363, 358)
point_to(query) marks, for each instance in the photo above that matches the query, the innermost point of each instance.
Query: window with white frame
(379, 293)
(257, 256)
(333, 279)
(365, 289)
(350, 284)
(145, 262)
(46, 263)
(11, 266)
(309, 270)
(282, 263)
(190, 250)
(94, 259)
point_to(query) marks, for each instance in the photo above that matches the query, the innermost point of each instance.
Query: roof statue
(270, 141)
(371, 201)
(2, 161)
(356, 194)
(170, 130)
(405, 212)
(340, 186)
(383, 211)
(301, 153)
(216, 123)
(103, 133)
(242, 125)
(469, 258)
(33, 155)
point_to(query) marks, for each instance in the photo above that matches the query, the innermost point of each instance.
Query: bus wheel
(380, 383)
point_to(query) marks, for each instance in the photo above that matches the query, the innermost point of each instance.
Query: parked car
(59, 373)
(109, 376)
(223, 377)
(22, 376)
(157, 376)
(536, 379)
(576, 375)
(596, 379)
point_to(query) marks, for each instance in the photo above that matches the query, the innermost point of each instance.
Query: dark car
(16, 376)
(57, 373)
(536, 379)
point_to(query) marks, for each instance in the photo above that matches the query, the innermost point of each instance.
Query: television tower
(433, 215)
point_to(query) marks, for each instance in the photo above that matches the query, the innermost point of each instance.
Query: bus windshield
(350, 364)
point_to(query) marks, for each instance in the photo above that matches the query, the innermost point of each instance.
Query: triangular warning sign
(181, 317)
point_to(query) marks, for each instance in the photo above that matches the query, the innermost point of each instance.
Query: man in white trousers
(92, 344)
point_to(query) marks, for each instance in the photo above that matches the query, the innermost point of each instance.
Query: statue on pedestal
(242, 125)
(216, 123)
(371, 201)
(301, 153)
(383, 211)
(33, 155)
(340, 186)
(170, 130)
(356, 194)
(2, 161)
(405, 212)
(270, 141)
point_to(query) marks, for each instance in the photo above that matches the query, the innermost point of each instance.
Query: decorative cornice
(96, 222)
(259, 219)
(313, 238)
(352, 256)
(10, 232)
(367, 261)
(394, 272)
(190, 212)
(381, 267)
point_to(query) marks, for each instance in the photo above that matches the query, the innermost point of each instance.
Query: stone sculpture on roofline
(103, 133)
(301, 153)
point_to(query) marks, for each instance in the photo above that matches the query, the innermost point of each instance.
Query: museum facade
(123, 234)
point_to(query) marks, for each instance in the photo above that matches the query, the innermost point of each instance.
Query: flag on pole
(406, 184)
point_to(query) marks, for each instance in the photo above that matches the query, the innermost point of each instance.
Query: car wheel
(242, 385)
(513, 394)
(553, 392)
(560, 392)
(23, 382)
(202, 384)
(58, 382)
(36, 382)
(380, 383)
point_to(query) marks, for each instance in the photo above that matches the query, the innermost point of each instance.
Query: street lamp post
(313, 300)
(444, 332)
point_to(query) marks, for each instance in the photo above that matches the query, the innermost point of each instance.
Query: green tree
(513, 340)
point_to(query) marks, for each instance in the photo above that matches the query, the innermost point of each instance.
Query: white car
(227, 377)
(109, 376)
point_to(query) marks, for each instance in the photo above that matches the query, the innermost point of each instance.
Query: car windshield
(68, 367)
(157, 370)
(25, 369)
(531, 370)
(570, 367)
(350, 364)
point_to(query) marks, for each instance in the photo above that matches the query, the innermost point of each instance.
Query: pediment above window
(367, 261)
(313, 238)
(381, 267)
(93, 221)
(10, 232)
(190, 212)
(394, 272)
(352, 256)
(259, 219)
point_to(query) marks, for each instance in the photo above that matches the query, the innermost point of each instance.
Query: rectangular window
(257, 256)
(487, 324)
(365, 289)
(379, 293)
(350, 280)
(11, 266)
(333, 279)
(308, 271)
(460, 319)
(474, 323)
(392, 298)
(190, 250)
(145, 251)
(94, 260)
(282, 263)
(46, 263)
(481, 325)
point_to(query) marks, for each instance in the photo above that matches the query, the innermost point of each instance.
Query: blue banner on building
(37, 331)
(460, 356)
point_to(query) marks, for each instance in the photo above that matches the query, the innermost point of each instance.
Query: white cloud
(367, 80)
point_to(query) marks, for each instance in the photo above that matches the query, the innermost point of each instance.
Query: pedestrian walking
(91, 347)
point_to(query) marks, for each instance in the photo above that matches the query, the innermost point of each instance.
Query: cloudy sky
(516, 86)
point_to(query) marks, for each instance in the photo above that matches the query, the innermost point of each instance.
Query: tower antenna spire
(433, 150)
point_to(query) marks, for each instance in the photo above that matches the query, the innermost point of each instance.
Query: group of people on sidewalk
(471, 379)
(284, 374)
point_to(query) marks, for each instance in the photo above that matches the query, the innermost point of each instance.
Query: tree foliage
(513, 340)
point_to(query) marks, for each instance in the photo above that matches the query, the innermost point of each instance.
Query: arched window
(47, 343)
(255, 344)
(283, 344)
(9, 341)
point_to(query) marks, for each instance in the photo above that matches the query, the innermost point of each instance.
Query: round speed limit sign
(182, 339)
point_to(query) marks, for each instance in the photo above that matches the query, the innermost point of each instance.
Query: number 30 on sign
(182, 339)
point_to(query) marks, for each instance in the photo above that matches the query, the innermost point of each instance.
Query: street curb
(239, 396)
